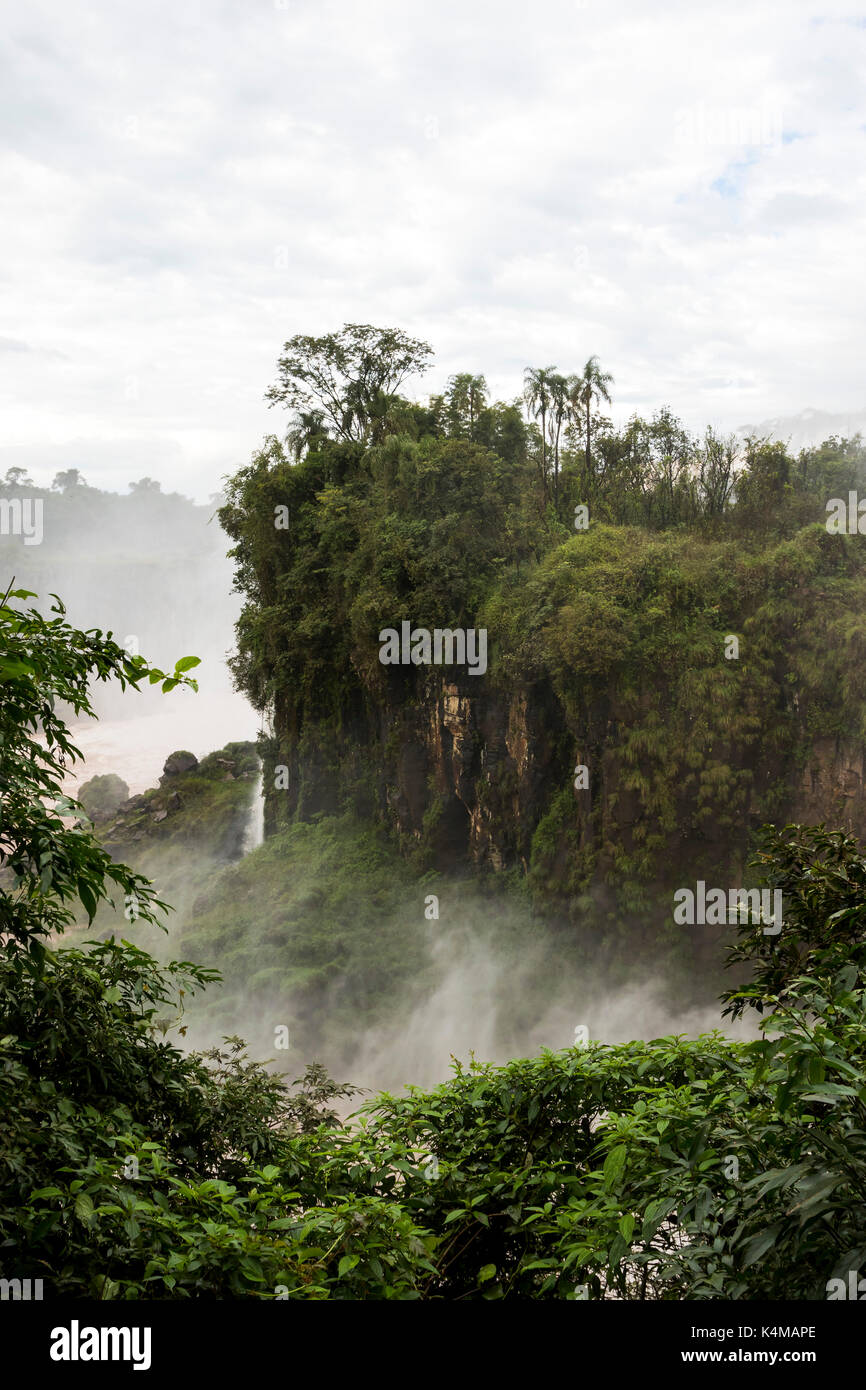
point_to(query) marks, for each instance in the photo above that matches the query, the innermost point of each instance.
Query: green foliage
(126, 1168)
(421, 531)
(668, 1169)
(47, 864)
(695, 751)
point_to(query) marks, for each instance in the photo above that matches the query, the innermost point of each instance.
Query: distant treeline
(78, 517)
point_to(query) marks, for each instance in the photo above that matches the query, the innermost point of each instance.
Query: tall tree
(591, 386)
(17, 477)
(538, 395)
(559, 405)
(352, 377)
(672, 452)
(466, 397)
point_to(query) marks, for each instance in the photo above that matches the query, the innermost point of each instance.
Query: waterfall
(254, 831)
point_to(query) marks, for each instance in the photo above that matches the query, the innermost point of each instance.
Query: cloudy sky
(678, 187)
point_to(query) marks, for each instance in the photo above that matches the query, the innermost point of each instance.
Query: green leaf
(346, 1264)
(11, 668)
(829, 1091)
(486, 1272)
(761, 1243)
(88, 900)
(813, 1190)
(614, 1166)
(84, 1208)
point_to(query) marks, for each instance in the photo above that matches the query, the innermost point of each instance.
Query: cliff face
(477, 778)
(465, 774)
(832, 786)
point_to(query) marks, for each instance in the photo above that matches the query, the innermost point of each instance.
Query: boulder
(101, 797)
(179, 762)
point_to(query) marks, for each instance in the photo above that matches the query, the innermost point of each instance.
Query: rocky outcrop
(176, 763)
(196, 805)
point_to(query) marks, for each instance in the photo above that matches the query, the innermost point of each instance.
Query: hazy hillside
(809, 428)
(151, 567)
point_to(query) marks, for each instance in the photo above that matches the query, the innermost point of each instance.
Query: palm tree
(306, 427)
(592, 385)
(558, 386)
(538, 395)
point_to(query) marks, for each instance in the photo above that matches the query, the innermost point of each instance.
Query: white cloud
(677, 189)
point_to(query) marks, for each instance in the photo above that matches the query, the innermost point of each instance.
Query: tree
(502, 428)
(91, 1091)
(591, 386)
(466, 398)
(68, 480)
(538, 390)
(146, 485)
(672, 455)
(351, 377)
(17, 477)
(46, 665)
(308, 428)
(558, 414)
(716, 462)
(764, 487)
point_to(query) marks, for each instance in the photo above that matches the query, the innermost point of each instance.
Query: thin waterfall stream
(254, 832)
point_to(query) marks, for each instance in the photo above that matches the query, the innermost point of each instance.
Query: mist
(151, 568)
(488, 984)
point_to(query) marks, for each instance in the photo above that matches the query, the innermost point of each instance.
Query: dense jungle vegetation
(462, 512)
(462, 508)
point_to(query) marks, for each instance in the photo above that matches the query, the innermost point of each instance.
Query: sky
(677, 187)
